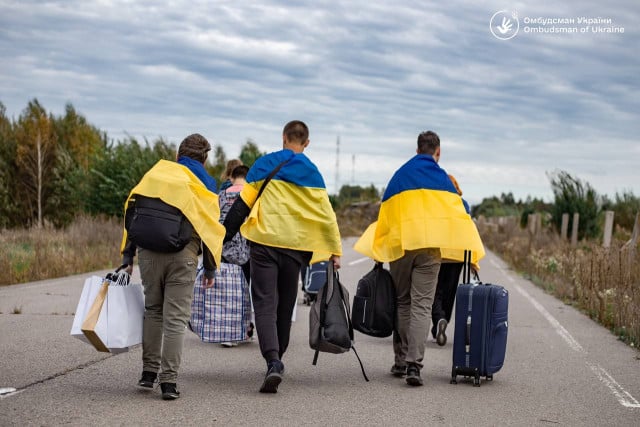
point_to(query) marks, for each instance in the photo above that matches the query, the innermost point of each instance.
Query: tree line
(53, 168)
(571, 195)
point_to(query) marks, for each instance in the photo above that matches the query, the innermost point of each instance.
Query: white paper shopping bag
(125, 314)
(110, 313)
(90, 290)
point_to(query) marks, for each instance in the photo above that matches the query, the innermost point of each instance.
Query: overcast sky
(374, 74)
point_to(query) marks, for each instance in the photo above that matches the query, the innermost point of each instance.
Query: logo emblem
(504, 25)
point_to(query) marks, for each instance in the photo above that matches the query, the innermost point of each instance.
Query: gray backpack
(330, 328)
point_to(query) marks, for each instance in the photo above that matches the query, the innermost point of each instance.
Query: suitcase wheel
(489, 377)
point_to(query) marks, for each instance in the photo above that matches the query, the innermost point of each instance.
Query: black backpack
(374, 304)
(330, 328)
(157, 226)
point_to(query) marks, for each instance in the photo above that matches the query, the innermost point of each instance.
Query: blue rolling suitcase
(315, 276)
(480, 335)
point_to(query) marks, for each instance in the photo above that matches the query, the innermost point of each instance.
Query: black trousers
(274, 288)
(442, 307)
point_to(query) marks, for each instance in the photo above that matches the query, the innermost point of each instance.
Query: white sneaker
(229, 344)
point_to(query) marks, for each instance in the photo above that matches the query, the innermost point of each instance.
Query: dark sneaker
(413, 375)
(169, 391)
(441, 337)
(398, 371)
(148, 379)
(272, 380)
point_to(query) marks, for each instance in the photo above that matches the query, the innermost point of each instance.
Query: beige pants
(415, 276)
(168, 280)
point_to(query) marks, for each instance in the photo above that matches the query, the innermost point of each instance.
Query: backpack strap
(346, 306)
(268, 178)
(323, 303)
(364, 374)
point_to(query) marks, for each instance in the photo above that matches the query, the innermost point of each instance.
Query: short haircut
(231, 165)
(239, 172)
(428, 142)
(195, 146)
(296, 131)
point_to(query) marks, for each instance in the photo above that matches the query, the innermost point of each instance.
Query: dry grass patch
(604, 283)
(88, 244)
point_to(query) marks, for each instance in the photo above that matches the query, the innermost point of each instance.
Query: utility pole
(353, 168)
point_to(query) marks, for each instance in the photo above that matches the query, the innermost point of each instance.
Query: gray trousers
(168, 280)
(415, 276)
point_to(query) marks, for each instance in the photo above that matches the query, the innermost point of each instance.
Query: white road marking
(8, 391)
(358, 261)
(623, 397)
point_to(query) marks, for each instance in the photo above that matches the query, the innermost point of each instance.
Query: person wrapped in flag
(290, 223)
(421, 218)
(171, 216)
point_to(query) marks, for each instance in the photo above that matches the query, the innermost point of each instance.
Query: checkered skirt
(223, 312)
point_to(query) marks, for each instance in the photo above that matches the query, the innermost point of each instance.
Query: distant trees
(250, 152)
(53, 168)
(571, 195)
(117, 169)
(506, 205)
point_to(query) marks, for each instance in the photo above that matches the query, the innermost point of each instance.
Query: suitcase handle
(467, 338)
(466, 269)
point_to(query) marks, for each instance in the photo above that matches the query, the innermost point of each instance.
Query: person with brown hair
(289, 223)
(225, 176)
(171, 216)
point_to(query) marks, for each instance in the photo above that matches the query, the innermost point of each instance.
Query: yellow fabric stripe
(293, 217)
(250, 192)
(177, 186)
(418, 219)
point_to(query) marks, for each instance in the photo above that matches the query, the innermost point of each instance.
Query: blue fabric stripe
(221, 313)
(299, 170)
(420, 172)
(198, 170)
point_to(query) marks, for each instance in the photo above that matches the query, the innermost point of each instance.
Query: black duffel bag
(157, 226)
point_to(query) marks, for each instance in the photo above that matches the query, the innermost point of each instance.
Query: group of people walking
(280, 209)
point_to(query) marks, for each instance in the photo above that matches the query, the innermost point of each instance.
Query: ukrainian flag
(293, 211)
(421, 209)
(177, 186)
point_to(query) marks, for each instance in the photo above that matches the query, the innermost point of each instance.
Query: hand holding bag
(110, 313)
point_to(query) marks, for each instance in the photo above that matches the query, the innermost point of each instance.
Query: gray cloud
(376, 75)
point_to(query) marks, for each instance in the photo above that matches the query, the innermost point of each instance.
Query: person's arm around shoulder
(235, 217)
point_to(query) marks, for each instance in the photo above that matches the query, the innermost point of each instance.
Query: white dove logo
(502, 24)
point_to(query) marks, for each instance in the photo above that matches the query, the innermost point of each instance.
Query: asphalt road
(561, 368)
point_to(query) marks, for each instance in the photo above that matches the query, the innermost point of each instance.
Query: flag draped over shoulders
(293, 211)
(420, 208)
(177, 186)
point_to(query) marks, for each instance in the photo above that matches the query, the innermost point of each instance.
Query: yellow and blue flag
(293, 211)
(421, 208)
(177, 186)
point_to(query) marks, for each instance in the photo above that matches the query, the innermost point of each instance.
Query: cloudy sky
(374, 74)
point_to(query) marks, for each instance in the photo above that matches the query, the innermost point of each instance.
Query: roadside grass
(603, 283)
(88, 244)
